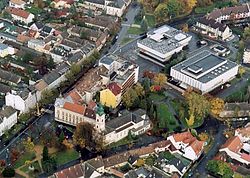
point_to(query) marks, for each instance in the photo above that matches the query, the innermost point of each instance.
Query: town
(125, 88)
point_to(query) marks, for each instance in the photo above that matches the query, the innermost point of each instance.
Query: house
(114, 8)
(7, 36)
(6, 50)
(17, 4)
(22, 100)
(186, 145)
(20, 15)
(111, 96)
(4, 89)
(9, 78)
(60, 4)
(37, 26)
(102, 22)
(161, 43)
(213, 29)
(243, 133)
(246, 55)
(36, 44)
(235, 110)
(8, 118)
(237, 150)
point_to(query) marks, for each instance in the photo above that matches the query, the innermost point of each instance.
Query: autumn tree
(160, 79)
(129, 98)
(161, 13)
(198, 105)
(28, 144)
(139, 90)
(217, 105)
(83, 134)
(189, 4)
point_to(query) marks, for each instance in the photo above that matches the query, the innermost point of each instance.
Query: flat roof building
(204, 71)
(162, 43)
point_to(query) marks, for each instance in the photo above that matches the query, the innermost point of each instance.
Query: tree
(28, 144)
(47, 97)
(8, 172)
(7, 15)
(84, 35)
(241, 71)
(219, 167)
(45, 153)
(129, 98)
(217, 106)
(83, 134)
(174, 7)
(198, 105)
(139, 90)
(61, 137)
(75, 69)
(190, 121)
(185, 28)
(161, 12)
(51, 64)
(160, 79)
(144, 25)
(99, 142)
(189, 4)
(27, 57)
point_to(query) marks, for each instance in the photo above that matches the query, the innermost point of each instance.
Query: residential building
(9, 78)
(111, 96)
(114, 8)
(213, 28)
(237, 150)
(246, 55)
(204, 71)
(36, 44)
(102, 22)
(22, 100)
(121, 71)
(17, 4)
(243, 133)
(235, 110)
(6, 50)
(36, 26)
(20, 15)
(161, 43)
(8, 118)
(60, 4)
(186, 145)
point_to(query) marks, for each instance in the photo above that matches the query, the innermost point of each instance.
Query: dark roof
(177, 163)
(96, 1)
(90, 113)
(88, 169)
(127, 118)
(6, 111)
(76, 57)
(241, 106)
(96, 162)
(156, 174)
(39, 25)
(212, 23)
(8, 76)
(4, 88)
(56, 73)
(47, 29)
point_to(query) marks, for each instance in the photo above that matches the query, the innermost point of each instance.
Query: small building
(111, 96)
(213, 29)
(17, 4)
(36, 44)
(246, 55)
(8, 118)
(235, 110)
(6, 50)
(20, 15)
(161, 43)
(204, 71)
(9, 78)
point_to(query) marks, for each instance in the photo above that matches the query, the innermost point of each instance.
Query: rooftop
(6, 112)
(18, 12)
(204, 66)
(212, 23)
(234, 144)
(164, 39)
(9, 76)
(18, 2)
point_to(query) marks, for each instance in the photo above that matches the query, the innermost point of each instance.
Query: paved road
(132, 11)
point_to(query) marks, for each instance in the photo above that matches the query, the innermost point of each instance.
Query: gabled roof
(197, 146)
(212, 23)
(8, 76)
(74, 107)
(114, 88)
(71, 172)
(244, 131)
(18, 2)
(6, 112)
(18, 12)
(234, 144)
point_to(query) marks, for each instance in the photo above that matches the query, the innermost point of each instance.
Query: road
(130, 15)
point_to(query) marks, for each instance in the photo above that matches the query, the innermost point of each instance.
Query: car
(201, 43)
(125, 19)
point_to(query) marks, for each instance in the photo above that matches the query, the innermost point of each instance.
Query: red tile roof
(245, 157)
(18, 12)
(74, 107)
(197, 146)
(75, 97)
(91, 104)
(114, 88)
(234, 144)
(71, 172)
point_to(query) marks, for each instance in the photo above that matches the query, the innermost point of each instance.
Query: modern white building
(162, 43)
(204, 71)
(20, 15)
(6, 50)
(17, 4)
(8, 118)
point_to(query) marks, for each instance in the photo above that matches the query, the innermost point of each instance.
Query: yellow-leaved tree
(217, 105)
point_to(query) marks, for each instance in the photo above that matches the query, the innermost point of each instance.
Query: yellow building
(111, 96)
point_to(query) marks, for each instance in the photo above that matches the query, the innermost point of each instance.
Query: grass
(207, 9)
(150, 18)
(155, 97)
(11, 132)
(124, 141)
(165, 118)
(134, 31)
(27, 156)
(34, 10)
(65, 156)
(36, 166)
(126, 40)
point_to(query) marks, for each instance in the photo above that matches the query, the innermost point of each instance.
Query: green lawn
(124, 141)
(218, 4)
(126, 40)
(27, 156)
(65, 156)
(134, 31)
(34, 10)
(165, 118)
(155, 97)
(36, 166)
(150, 19)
